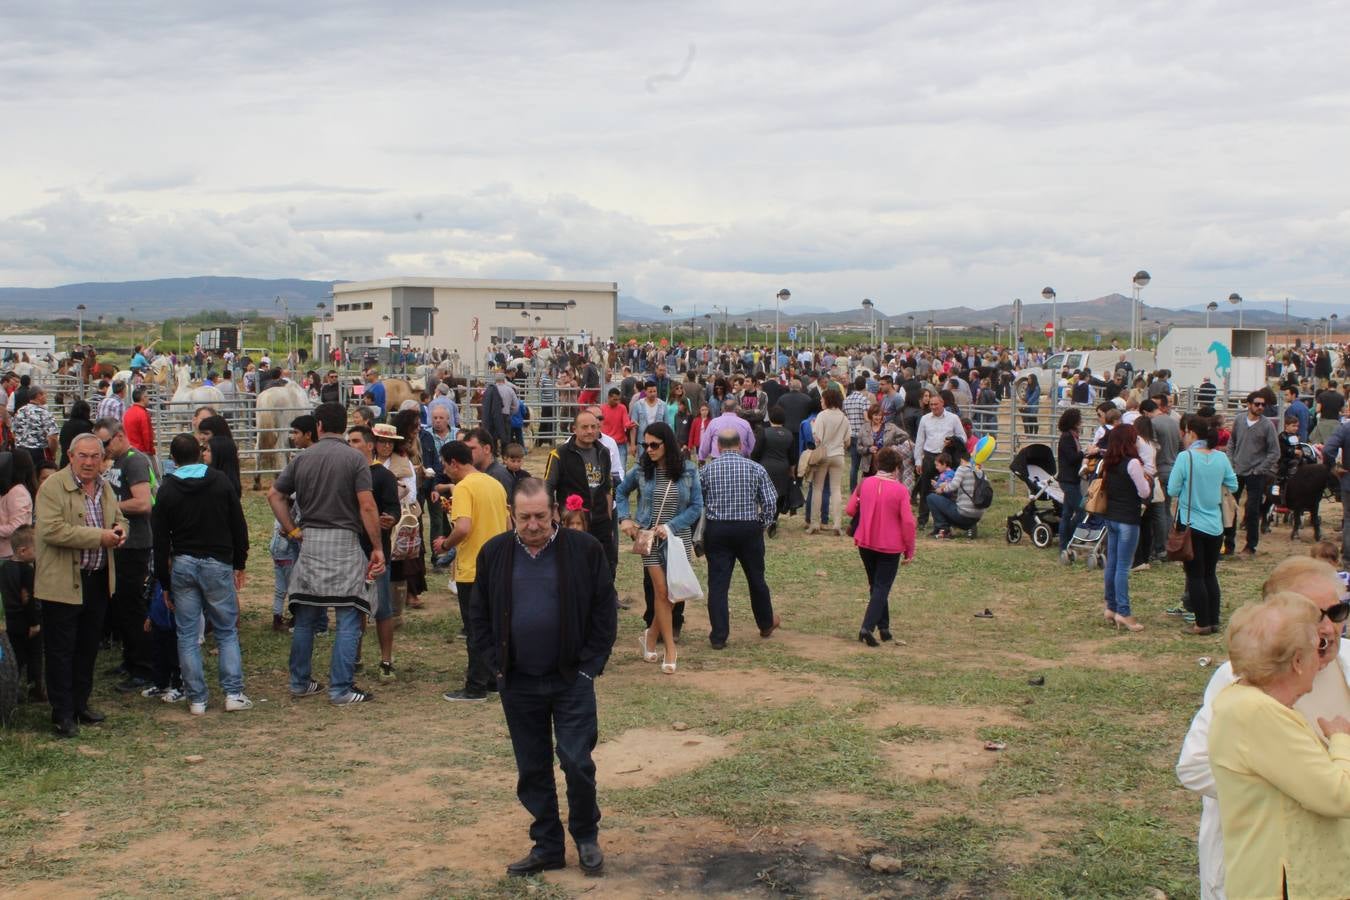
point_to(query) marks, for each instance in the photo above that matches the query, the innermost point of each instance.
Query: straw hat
(386, 433)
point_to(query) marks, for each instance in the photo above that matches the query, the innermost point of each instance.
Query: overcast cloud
(919, 154)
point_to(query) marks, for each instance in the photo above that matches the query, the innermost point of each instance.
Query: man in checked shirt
(739, 502)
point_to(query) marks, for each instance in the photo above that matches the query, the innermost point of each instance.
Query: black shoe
(492, 688)
(592, 858)
(67, 728)
(132, 685)
(866, 638)
(773, 528)
(535, 863)
(718, 645)
(90, 716)
(464, 696)
(885, 633)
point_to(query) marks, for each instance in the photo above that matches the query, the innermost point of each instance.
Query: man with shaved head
(582, 466)
(739, 502)
(1329, 697)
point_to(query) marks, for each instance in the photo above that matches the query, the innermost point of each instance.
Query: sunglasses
(1258, 405)
(653, 445)
(1338, 613)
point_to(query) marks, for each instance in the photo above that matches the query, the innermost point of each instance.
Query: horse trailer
(1233, 359)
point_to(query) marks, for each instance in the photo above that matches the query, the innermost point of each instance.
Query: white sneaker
(454, 588)
(173, 695)
(237, 702)
(197, 708)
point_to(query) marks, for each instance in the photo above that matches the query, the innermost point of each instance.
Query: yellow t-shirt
(482, 500)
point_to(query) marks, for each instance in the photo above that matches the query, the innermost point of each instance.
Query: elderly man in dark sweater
(543, 618)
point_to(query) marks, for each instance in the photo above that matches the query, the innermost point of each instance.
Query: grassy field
(772, 768)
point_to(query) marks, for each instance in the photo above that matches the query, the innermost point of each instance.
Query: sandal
(667, 668)
(647, 655)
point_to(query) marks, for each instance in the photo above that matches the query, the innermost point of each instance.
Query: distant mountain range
(164, 298)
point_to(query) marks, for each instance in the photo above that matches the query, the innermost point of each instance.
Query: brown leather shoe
(1199, 629)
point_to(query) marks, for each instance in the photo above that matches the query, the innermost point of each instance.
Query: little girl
(697, 425)
(574, 514)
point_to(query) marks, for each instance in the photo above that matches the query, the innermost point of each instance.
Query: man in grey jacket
(1254, 451)
(1336, 452)
(1167, 433)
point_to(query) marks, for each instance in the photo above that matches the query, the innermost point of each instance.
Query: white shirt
(933, 433)
(1194, 773)
(615, 461)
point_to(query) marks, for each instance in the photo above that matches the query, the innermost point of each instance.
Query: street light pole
(79, 313)
(1236, 299)
(1140, 281)
(1209, 308)
(782, 297)
(1048, 293)
(912, 336)
(871, 328)
(671, 322)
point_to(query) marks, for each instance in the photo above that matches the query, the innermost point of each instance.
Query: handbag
(406, 541)
(1179, 547)
(697, 539)
(1095, 501)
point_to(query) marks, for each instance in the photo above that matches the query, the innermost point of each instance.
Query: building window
(542, 305)
(367, 305)
(510, 304)
(344, 307)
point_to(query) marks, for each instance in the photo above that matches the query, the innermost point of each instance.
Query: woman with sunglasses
(1197, 481)
(670, 501)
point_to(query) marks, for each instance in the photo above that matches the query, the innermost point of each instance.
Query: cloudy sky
(919, 154)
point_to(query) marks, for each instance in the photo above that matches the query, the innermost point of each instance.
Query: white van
(1101, 362)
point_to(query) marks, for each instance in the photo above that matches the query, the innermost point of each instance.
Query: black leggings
(1202, 584)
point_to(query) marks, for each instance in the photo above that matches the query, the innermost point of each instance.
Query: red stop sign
(1049, 329)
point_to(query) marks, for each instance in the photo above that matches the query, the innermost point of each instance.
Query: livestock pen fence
(1010, 422)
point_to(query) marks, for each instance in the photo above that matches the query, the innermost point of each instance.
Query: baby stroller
(1089, 542)
(1035, 466)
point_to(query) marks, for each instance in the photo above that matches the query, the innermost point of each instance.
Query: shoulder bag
(1179, 547)
(1095, 501)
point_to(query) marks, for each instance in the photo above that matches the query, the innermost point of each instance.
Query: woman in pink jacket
(884, 537)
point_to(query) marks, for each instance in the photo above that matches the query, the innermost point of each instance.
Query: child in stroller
(1034, 465)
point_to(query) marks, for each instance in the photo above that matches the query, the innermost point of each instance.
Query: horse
(277, 406)
(185, 390)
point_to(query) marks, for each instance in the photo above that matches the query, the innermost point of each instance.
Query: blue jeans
(1121, 538)
(205, 587)
(1072, 514)
(539, 709)
(823, 514)
(281, 579)
(945, 513)
(384, 597)
(855, 461)
(342, 664)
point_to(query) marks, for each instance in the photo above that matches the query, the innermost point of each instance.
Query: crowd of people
(150, 549)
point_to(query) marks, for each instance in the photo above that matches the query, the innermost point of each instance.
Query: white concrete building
(439, 313)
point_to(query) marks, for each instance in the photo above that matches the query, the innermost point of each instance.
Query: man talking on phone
(78, 523)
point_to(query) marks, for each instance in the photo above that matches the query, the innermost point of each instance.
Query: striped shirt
(110, 407)
(91, 560)
(855, 408)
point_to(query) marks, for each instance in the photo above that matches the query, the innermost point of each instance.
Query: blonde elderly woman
(1329, 697)
(1284, 795)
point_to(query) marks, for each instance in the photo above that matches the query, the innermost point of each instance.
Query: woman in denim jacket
(670, 501)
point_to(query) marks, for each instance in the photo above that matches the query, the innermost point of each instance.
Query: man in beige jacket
(78, 523)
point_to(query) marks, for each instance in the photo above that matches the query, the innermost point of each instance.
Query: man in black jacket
(543, 619)
(582, 466)
(201, 546)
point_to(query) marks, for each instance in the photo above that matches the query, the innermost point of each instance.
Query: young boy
(515, 463)
(23, 611)
(163, 631)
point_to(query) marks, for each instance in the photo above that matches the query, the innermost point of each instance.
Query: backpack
(406, 541)
(983, 495)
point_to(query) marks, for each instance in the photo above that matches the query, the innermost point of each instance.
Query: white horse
(187, 392)
(277, 406)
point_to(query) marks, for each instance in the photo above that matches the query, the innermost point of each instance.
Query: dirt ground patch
(962, 761)
(819, 647)
(942, 718)
(640, 756)
(773, 688)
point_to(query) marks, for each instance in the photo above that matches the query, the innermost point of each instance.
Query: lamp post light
(1331, 327)
(669, 313)
(912, 336)
(1140, 281)
(871, 321)
(748, 322)
(571, 305)
(79, 315)
(709, 327)
(1323, 322)
(1048, 293)
(781, 298)
(1209, 308)
(998, 330)
(930, 334)
(1236, 299)
(426, 335)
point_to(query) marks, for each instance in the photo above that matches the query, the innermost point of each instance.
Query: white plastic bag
(681, 582)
